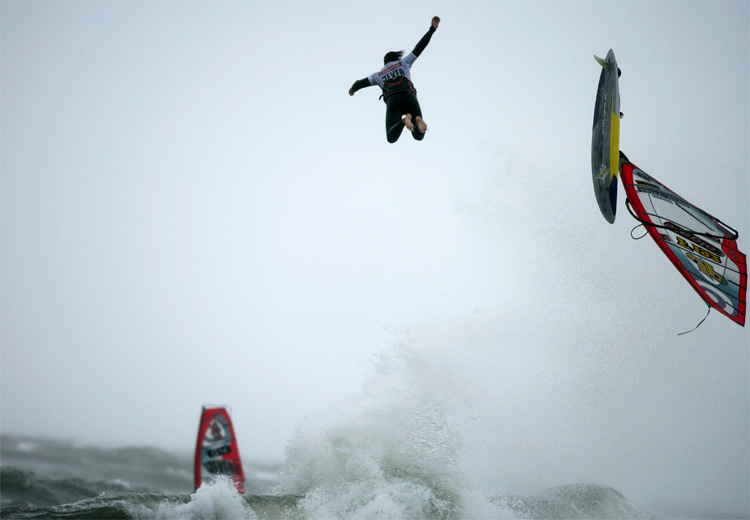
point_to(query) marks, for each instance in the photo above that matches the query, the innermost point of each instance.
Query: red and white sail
(216, 452)
(700, 246)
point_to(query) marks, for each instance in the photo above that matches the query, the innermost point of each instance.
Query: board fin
(601, 61)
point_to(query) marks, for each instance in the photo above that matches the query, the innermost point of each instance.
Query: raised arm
(421, 44)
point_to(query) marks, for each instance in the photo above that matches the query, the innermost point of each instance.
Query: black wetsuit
(399, 93)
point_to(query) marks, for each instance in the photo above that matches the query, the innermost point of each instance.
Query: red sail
(700, 246)
(216, 452)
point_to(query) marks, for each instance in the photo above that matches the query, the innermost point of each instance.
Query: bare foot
(421, 124)
(408, 123)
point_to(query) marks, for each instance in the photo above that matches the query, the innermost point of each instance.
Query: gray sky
(194, 211)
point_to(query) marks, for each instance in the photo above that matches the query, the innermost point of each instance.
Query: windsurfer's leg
(394, 131)
(394, 125)
(419, 127)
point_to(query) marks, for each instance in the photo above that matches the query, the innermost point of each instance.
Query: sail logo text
(698, 249)
(220, 467)
(699, 243)
(221, 450)
(659, 194)
(706, 268)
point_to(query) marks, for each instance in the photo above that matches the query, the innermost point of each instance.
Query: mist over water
(447, 420)
(459, 415)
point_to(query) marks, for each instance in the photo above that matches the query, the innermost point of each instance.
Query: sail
(216, 452)
(700, 246)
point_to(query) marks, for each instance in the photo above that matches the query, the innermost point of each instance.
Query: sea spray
(391, 452)
(217, 500)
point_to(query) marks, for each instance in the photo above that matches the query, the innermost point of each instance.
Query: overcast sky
(195, 211)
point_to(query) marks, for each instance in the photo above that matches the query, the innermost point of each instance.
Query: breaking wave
(392, 452)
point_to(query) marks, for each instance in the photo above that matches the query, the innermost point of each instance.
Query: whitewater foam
(218, 500)
(392, 452)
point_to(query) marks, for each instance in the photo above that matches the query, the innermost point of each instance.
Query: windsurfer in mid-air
(399, 94)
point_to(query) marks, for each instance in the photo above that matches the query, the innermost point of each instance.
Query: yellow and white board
(605, 138)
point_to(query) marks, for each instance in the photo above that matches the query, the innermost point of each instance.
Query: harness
(397, 86)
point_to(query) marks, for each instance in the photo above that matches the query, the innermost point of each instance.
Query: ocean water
(399, 450)
(330, 476)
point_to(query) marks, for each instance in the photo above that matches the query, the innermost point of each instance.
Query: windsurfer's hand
(435, 21)
(351, 92)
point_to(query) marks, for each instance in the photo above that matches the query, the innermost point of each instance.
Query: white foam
(218, 500)
(392, 452)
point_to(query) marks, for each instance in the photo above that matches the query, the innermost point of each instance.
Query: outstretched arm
(360, 83)
(426, 38)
